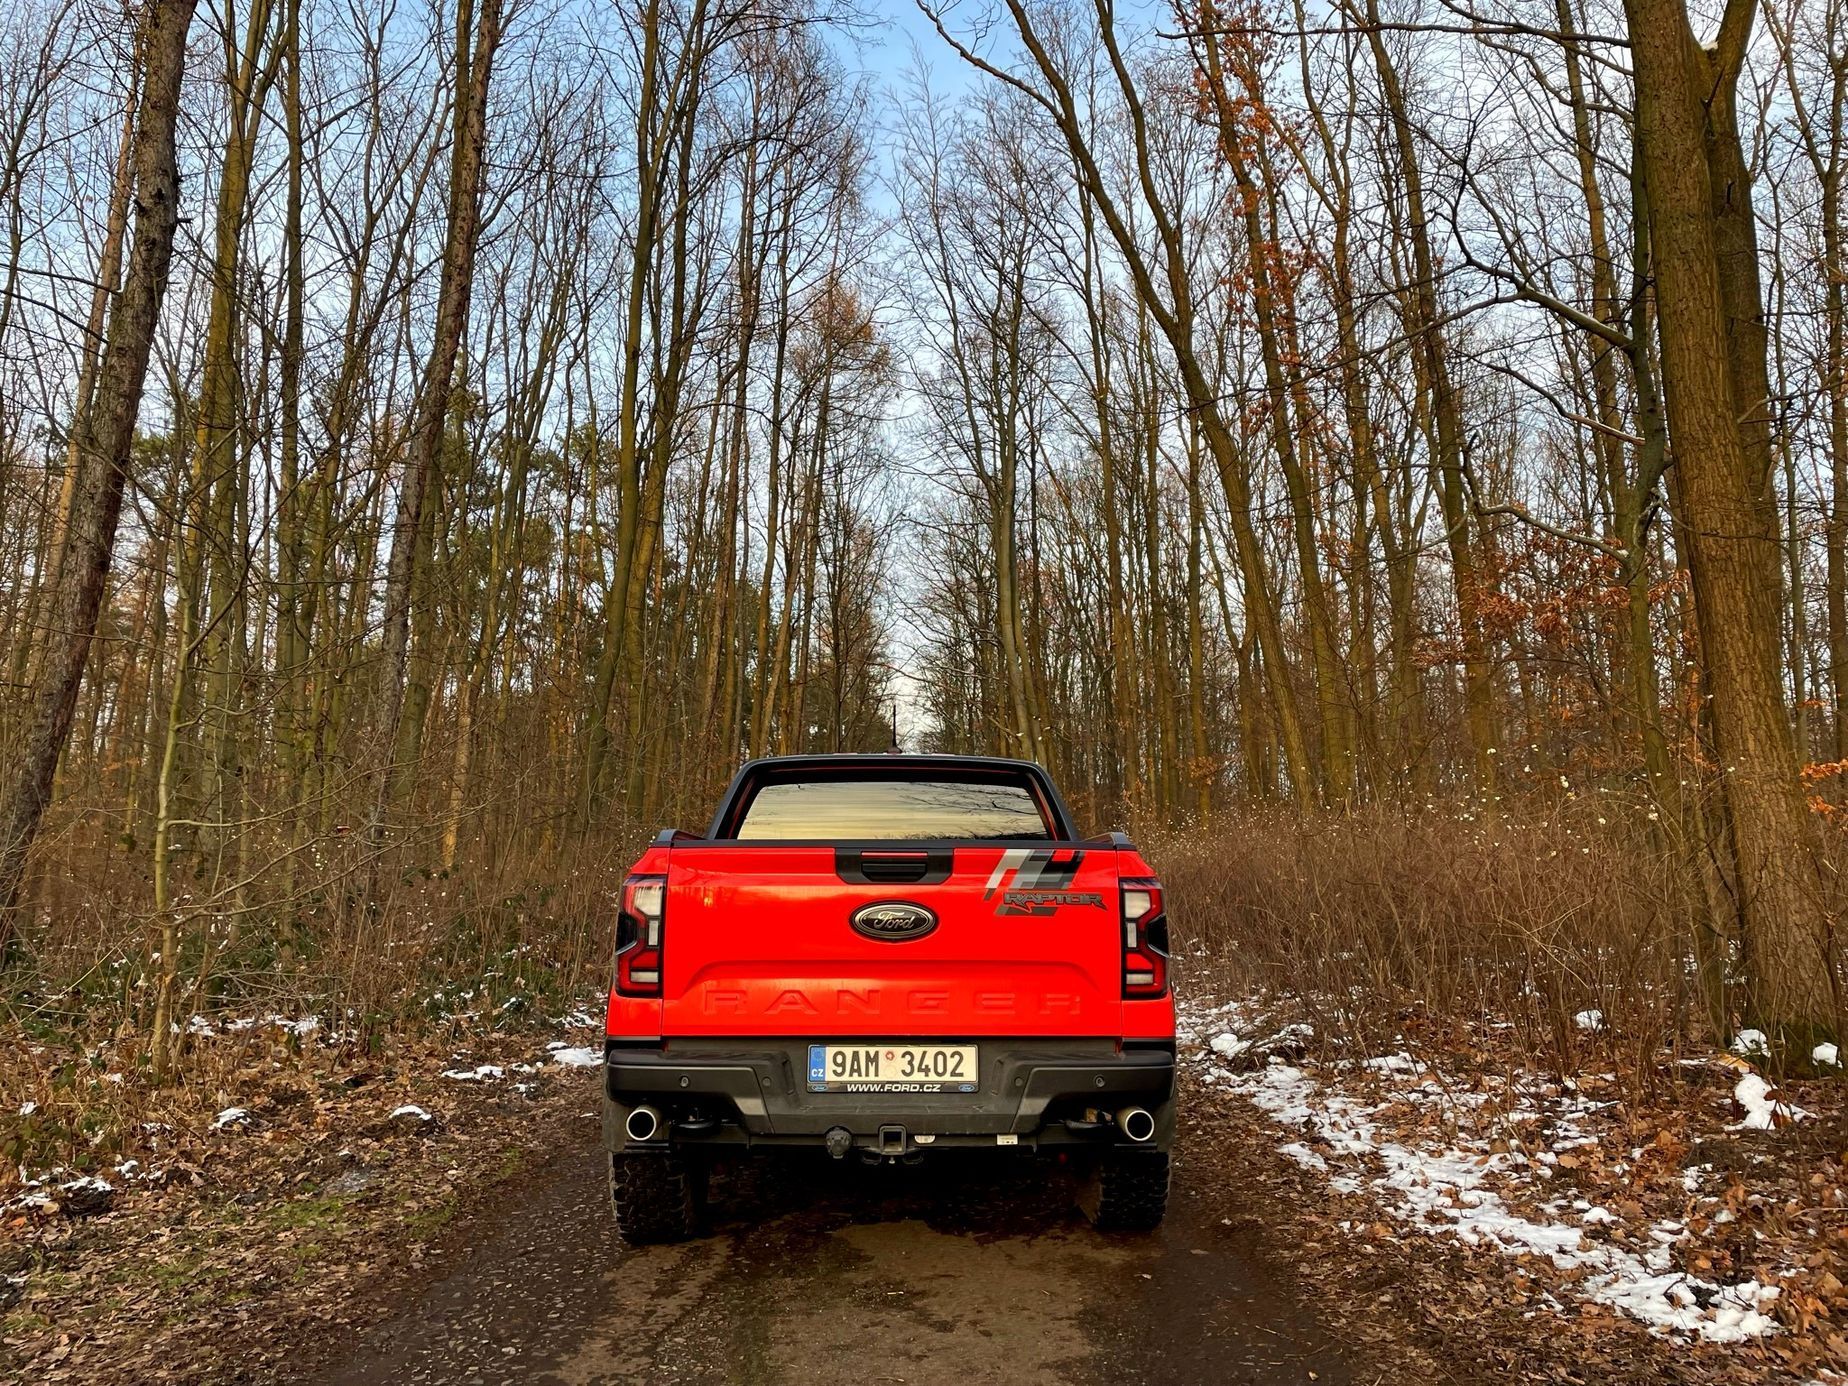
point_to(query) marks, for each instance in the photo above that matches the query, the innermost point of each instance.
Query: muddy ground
(477, 1247)
(816, 1273)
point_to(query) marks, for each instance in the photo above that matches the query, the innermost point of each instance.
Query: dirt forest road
(821, 1274)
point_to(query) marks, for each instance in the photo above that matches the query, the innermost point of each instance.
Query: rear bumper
(1033, 1094)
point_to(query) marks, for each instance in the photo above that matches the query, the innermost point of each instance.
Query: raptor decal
(1036, 882)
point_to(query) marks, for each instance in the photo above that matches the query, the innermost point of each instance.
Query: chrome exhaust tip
(643, 1124)
(1138, 1123)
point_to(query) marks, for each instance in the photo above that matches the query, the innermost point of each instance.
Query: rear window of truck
(874, 809)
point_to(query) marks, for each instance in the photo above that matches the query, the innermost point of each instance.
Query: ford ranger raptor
(885, 957)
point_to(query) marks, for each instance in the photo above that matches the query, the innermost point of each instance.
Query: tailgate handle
(860, 866)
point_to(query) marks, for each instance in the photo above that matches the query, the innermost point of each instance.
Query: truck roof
(825, 758)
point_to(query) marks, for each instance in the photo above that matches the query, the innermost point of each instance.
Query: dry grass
(445, 959)
(1526, 921)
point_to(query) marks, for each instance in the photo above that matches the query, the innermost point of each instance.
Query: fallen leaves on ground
(1657, 1166)
(228, 1245)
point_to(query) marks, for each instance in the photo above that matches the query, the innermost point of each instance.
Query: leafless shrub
(1530, 920)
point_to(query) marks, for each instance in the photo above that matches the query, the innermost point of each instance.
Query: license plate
(892, 1068)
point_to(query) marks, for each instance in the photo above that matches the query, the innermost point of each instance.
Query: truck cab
(882, 958)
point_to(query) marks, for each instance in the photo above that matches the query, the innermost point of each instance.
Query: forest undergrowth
(1532, 919)
(334, 1066)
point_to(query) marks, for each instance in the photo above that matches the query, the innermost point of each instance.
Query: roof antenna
(895, 749)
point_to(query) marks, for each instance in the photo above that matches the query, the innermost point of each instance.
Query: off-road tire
(1126, 1191)
(657, 1196)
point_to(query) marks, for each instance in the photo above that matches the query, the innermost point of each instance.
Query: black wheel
(657, 1196)
(1126, 1191)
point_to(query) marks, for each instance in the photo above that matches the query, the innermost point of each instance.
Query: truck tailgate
(761, 940)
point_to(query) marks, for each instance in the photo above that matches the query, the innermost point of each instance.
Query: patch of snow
(205, 1027)
(410, 1109)
(584, 1057)
(1229, 1045)
(476, 1074)
(1751, 1044)
(1762, 1111)
(230, 1116)
(1303, 1155)
(1447, 1191)
(26, 1109)
(303, 1026)
(1671, 1301)
(1592, 1021)
(1394, 1063)
(88, 1183)
(1826, 1054)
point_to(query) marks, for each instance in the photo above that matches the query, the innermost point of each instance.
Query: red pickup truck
(888, 956)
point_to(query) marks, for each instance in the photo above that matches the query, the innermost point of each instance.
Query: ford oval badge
(893, 921)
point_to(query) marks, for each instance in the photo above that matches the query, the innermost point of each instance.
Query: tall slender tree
(103, 448)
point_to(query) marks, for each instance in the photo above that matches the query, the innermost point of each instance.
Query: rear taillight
(1145, 940)
(638, 936)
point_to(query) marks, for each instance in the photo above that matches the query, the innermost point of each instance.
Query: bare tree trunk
(1730, 515)
(1175, 313)
(656, 120)
(1268, 302)
(474, 60)
(108, 282)
(105, 434)
(1202, 772)
(292, 632)
(1446, 420)
(1819, 120)
(1118, 667)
